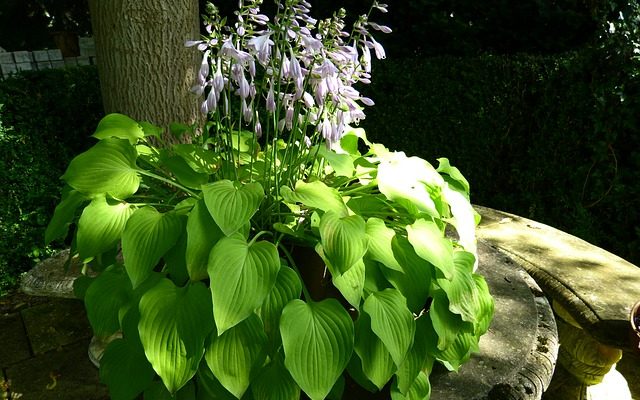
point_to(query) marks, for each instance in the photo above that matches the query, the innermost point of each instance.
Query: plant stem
(168, 181)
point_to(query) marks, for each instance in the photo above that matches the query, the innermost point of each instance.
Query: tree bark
(144, 68)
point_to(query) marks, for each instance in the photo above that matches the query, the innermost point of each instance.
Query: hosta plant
(278, 252)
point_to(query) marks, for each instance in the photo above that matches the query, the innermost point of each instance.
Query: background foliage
(45, 119)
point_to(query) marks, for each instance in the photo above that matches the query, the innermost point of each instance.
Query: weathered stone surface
(518, 353)
(14, 345)
(49, 277)
(55, 324)
(596, 287)
(66, 374)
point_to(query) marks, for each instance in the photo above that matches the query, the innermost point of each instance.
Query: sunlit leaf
(380, 237)
(184, 173)
(100, 226)
(315, 195)
(318, 342)
(431, 245)
(343, 239)
(146, 238)
(287, 287)
(242, 275)
(235, 356)
(424, 344)
(391, 321)
(461, 288)
(230, 206)
(119, 126)
(419, 390)
(454, 174)
(415, 279)
(108, 168)
(174, 323)
(446, 324)
(377, 363)
(342, 164)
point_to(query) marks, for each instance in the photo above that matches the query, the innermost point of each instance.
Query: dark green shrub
(45, 119)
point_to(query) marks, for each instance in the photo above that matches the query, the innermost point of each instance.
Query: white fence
(13, 62)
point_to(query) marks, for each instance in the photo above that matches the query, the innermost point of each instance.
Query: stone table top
(596, 287)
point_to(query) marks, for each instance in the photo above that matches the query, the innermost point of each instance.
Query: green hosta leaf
(419, 390)
(108, 168)
(424, 344)
(184, 173)
(409, 179)
(459, 351)
(202, 235)
(342, 164)
(318, 342)
(150, 129)
(63, 215)
(343, 239)
(454, 173)
(146, 238)
(415, 279)
(275, 383)
(103, 310)
(374, 279)
(287, 287)
(157, 391)
(461, 289)
(391, 321)
(351, 283)
(199, 159)
(431, 245)
(315, 195)
(119, 126)
(232, 207)
(174, 323)
(355, 372)
(175, 264)
(446, 324)
(242, 275)
(380, 237)
(463, 219)
(100, 226)
(377, 363)
(486, 305)
(125, 369)
(235, 355)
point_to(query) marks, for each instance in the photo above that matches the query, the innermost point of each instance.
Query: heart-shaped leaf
(232, 207)
(100, 226)
(461, 289)
(202, 235)
(444, 167)
(235, 355)
(275, 383)
(430, 244)
(63, 214)
(242, 276)
(174, 323)
(391, 321)
(342, 164)
(486, 305)
(146, 238)
(119, 126)
(380, 237)
(459, 351)
(103, 311)
(108, 168)
(446, 324)
(209, 387)
(318, 341)
(415, 279)
(184, 173)
(315, 195)
(344, 240)
(377, 364)
(463, 219)
(424, 344)
(287, 287)
(420, 389)
(351, 283)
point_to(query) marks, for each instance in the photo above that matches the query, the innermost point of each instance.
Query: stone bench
(592, 293)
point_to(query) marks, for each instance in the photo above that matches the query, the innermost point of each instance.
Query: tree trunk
(145, 70)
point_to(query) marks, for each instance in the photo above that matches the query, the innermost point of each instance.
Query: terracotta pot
(634, 318)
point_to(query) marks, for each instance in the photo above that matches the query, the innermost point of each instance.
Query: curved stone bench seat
(592, 290)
